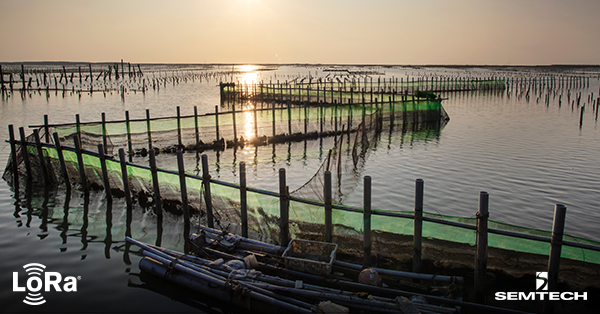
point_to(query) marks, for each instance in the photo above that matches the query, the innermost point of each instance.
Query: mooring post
(482, 243)
(104, 139)
(558, 228)
(104, 172)
(61, 160)
(183, 187)
(207, 195)
(40, 151)
(82, 177)
(243, 200)
(367, 221)
(155, 183)
(418, 226)
(217, 122)
(25, 153)
(328, 207)
(149, 129)
(283, 210)
(179, 126)
(46, 128)
(125, 178)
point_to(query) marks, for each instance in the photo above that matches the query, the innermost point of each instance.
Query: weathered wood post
(40, 152)
(482, 243)
(25, 153)
(243, 200)
(418, 226)
(149, 129)
(273, 114)
(15, 165)
(207, 194)
(125, 178)
(367, 221)
(105, 179)
(289, 112)
(558, 228)
(61, 160)
(82, 177)
(283, 210)
(155, 184)
(328, 207)
(183, 187)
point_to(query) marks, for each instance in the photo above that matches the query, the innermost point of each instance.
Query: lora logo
(39, 280)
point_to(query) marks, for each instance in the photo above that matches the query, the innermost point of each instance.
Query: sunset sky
(511, 32)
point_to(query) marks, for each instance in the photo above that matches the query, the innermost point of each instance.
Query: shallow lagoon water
(526, 154)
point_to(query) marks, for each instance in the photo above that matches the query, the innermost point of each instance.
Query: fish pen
(410, 240)
(350, 91)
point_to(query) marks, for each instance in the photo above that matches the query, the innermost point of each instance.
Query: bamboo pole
(183, 187)
(129, 144)
(125, 178)
(207, 195)
(46, 128)
(179, 126)
(104, 138)
(482, 243)
(558, 228)
(15, 165)
(61, 159)
(328, 207)
(283, 209)
(149, 129)
(104, 172)
(25, 153)
(243, 200)
(82, 177)
(217, 122)
(155, 184)
(367, 221)
(40, 151)
(418, 226)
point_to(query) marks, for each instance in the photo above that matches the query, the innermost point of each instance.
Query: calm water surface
(527, 155)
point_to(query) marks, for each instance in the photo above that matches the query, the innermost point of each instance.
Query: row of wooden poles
(288, 107)
(482, 230)
(294, 91)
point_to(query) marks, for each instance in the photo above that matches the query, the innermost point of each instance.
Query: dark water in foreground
(526, 154)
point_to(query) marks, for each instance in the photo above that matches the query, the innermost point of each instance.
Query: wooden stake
(207, 195)
(40, 151)
(328, 207)
(155, 184)
(183, 187)
(125, 177)
(418, 226)
(148, 129)
(283, 210)
(25, 153)
(243, 200)
(104, 172)
(82, 177)
(61, 159)
(482, 243)
(367, 221)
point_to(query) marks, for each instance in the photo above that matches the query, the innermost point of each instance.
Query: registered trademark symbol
(78, 277)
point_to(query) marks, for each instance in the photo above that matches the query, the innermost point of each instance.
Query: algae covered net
(251, 124)
(392, 230)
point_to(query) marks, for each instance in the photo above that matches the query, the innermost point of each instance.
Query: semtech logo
(541, 293)
(36, 282)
